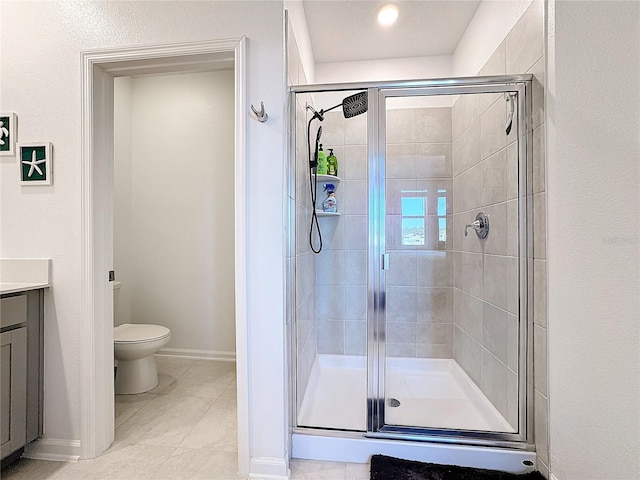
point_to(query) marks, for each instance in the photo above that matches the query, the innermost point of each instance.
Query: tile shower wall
(529, 56)
(301, 262)
(482, 303)
(419, 293)
(485, 275)
(419, 282)
(342, 265)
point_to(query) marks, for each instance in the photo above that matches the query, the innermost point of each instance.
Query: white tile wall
(432, 125)
(492, 128)
(300, 286)
(494, 381)
(434, 269)
(494, 331)
(464, 113)
(494, 287)
(341, 275)
(525, 42)
(468, 311)
(521, 52)
(494, 178)
(435, 306)
(466, 146)
(436, 160)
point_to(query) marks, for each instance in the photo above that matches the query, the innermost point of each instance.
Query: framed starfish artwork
(36, 167)
(8, 133)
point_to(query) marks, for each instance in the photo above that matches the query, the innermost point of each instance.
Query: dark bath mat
(390, 468)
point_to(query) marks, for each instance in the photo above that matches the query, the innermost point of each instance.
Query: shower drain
(393, 402)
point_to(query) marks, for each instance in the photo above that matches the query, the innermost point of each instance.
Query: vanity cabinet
(13, 380)
(20, 370)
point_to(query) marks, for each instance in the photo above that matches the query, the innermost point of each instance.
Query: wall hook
(261, 115)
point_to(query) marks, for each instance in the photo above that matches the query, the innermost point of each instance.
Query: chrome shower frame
(514, 85)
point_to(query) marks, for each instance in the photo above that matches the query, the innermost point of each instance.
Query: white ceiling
(347, 30)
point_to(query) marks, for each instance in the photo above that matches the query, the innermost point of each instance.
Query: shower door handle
(385, 261)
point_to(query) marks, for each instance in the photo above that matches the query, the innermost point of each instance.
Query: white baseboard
(553, 477)
(203, 354)
(53, 449)
(265, 468)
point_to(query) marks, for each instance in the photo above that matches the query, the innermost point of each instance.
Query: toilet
(134, 346)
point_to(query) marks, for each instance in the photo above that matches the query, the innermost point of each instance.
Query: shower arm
(322, 112)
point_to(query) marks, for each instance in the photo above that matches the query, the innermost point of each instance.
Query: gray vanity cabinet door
(13, 390)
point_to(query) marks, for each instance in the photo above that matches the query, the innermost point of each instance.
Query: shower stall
(408, 306)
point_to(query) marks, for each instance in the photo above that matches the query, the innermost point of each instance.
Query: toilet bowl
(134, 346)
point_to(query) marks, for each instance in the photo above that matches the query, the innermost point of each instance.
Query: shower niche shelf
(322, 213)
(322, 179)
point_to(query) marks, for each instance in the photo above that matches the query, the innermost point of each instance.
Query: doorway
(173, 226)
(99, 70)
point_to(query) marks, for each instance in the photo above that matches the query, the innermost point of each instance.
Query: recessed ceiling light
(387, 15)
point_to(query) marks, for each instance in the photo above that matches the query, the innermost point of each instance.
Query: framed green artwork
(8, 133)
(36, 163)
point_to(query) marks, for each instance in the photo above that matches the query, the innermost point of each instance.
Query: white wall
(298, 22)
(491, 23)
(593, 243)
(388, 69)
(175, 244)
(122, 146)
(40, 64)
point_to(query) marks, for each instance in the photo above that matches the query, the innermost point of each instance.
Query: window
(414, 208)
(442, 215)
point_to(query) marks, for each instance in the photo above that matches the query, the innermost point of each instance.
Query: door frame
(99, 67)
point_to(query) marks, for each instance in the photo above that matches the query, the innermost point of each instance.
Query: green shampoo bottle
(322, 162)
(332, 164)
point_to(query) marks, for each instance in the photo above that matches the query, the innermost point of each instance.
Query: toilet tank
(118, 317)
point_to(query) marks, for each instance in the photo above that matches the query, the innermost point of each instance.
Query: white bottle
(330, 204)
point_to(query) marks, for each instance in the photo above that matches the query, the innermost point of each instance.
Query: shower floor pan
(433, 393)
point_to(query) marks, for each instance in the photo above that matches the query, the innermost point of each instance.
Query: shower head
(355, 104)
(351, 106)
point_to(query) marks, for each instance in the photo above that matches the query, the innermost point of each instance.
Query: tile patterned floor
(184, 429)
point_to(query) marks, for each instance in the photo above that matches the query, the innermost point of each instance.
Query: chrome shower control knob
(481, 225)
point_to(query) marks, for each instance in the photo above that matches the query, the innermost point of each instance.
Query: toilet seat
(139, 333)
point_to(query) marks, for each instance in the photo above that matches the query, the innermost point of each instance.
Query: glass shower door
(452, 177)
(330, 267)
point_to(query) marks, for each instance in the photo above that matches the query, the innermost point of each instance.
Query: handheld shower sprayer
(314, 163)
(352, 105)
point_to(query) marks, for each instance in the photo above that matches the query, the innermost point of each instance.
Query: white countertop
(21, 287)
(23, 274)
